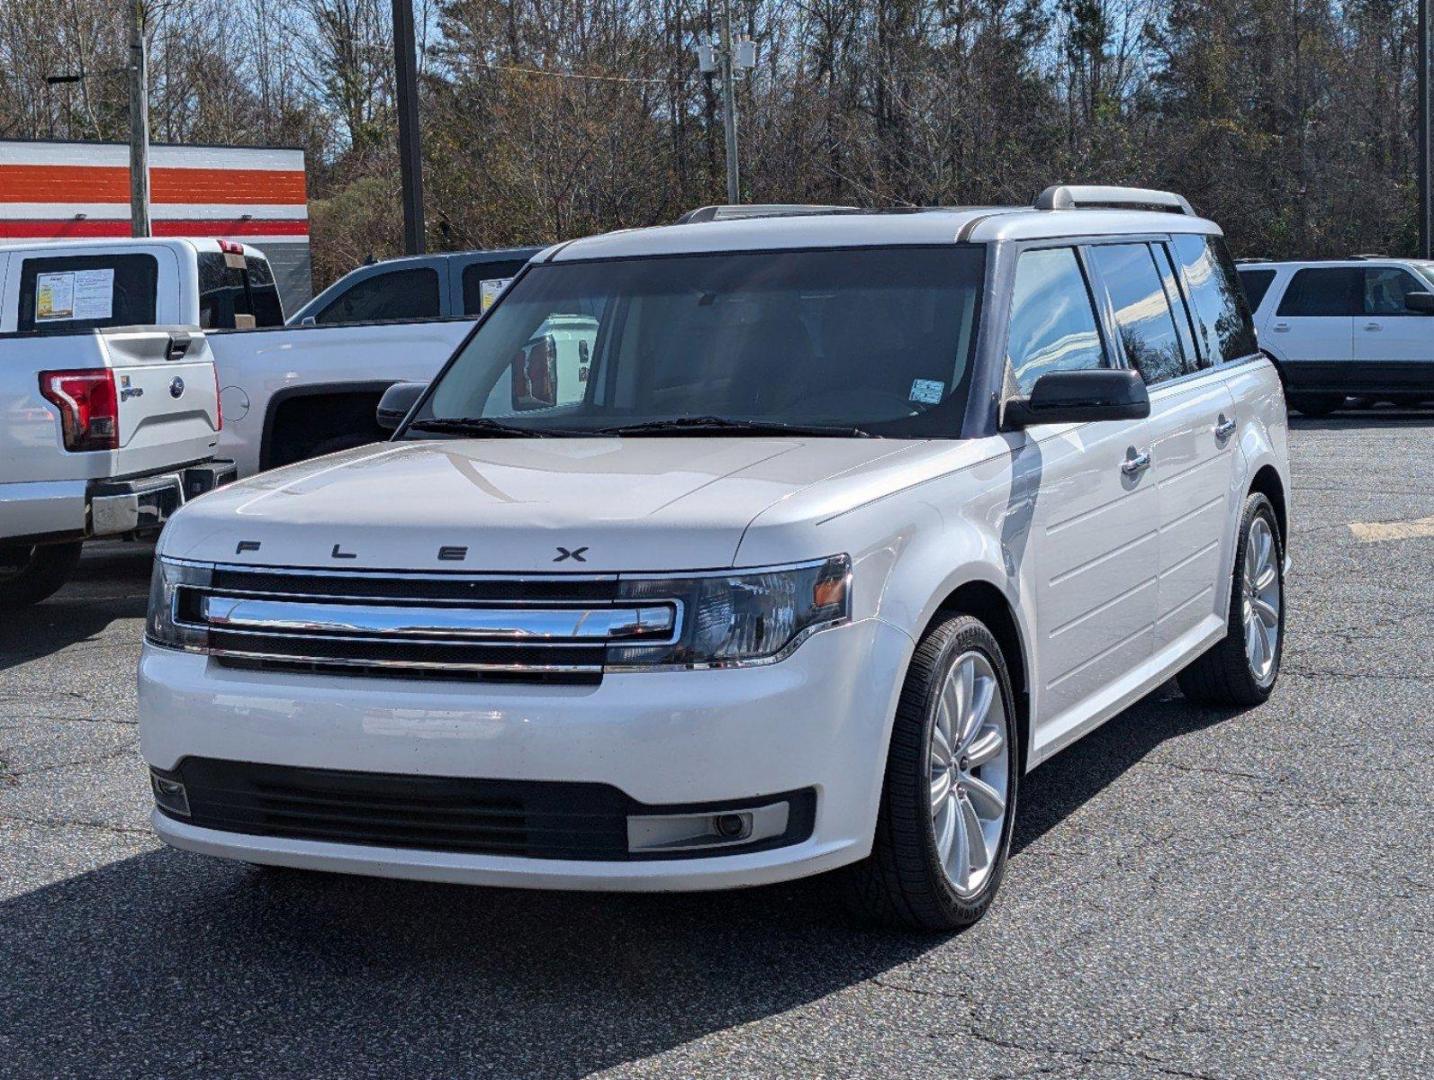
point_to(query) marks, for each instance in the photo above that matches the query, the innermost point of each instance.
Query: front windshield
(875, 341)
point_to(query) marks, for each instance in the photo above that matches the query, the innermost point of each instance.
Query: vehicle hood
(515, 504)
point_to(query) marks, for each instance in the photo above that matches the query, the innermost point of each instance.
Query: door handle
(1373, 327)
(1135, 461)
(1281, 328)
(1225, 428)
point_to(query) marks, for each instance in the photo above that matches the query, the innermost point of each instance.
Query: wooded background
(1291, 122)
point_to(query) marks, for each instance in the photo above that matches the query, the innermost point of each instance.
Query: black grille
(379, 655)
(396, 586)
(532, 819)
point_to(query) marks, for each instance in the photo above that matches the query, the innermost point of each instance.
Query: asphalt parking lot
(1191, 893)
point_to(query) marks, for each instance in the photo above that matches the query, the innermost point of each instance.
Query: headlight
(168, 586)
(746, 617)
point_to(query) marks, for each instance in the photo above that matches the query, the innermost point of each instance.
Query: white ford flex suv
(737, 551)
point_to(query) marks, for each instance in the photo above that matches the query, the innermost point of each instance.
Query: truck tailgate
(168, 397)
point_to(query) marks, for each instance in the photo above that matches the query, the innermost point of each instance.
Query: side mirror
(396, 403)
(1420, 302)
(1077, 397)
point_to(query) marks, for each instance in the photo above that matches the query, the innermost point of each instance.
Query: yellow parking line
(1368, 532)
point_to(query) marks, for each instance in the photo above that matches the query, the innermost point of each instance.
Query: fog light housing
(169, 794)
(713, 829)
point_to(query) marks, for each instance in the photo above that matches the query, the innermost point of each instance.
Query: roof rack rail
(1367, 255)
(737, 212)
(1078, 196)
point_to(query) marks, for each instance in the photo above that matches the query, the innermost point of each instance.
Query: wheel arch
(330, 392)
(986, 602)
(1268, 483)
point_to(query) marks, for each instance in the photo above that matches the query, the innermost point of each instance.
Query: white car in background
(813, 535)
(1346, 328)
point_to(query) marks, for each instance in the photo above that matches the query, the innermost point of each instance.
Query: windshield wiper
(480, 425)
(719, 425)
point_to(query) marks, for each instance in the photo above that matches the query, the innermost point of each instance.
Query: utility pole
(138, 123)
(410, 151)
(729, 106)
(1426, 151)
(728, 55)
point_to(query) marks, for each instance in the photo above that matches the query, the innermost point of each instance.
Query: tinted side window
(1323, 292)
(1385, 288)
(267, 308)
(475, 274)
(1256, 283)
(1222, 314)
(226, 291)
(84, 292)
(398, 294)
(1053, 325)
(1142, 312)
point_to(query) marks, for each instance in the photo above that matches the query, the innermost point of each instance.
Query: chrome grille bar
(549, 625)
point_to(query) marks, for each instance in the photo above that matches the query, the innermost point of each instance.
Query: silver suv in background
(1350, 328)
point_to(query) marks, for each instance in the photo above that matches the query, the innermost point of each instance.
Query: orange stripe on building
(99, 183)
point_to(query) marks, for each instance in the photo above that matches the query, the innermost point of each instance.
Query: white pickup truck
(288, 392)
(102, 433)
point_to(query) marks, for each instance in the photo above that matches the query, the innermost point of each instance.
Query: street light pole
(410, 152)
(138, 123)
(1426, 151)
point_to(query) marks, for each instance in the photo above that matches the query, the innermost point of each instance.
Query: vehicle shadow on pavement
(1343, 420)
(112, 583)
(1055, 790)
(167, 962)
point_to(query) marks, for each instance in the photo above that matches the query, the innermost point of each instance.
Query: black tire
(902, 883)
(1223, 676)
(1315, 404)
(30, 574)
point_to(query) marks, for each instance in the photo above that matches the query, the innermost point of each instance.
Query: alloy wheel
(1261, 600)
(970, 772)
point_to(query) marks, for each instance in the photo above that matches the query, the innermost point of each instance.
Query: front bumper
(144, 504)
(818, 720)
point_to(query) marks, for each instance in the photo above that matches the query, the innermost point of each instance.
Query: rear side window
(1385, 288)
(1323, 292)
(1143, 317)
(229, 294)
(1256, 283)
(1053, 325)
(397, 294)
(63, 294)
(484, 281)
(1217, 300)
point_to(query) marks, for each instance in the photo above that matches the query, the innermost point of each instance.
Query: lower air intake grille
(531, 819)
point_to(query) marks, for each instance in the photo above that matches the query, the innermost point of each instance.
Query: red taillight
(89, 407)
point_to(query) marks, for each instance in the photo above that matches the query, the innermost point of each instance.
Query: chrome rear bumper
(144, 504)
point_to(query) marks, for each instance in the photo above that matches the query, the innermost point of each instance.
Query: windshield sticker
(79, 294)
(927, 391)
(488, 291)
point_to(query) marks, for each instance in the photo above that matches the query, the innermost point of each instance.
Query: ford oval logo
(176, 387)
